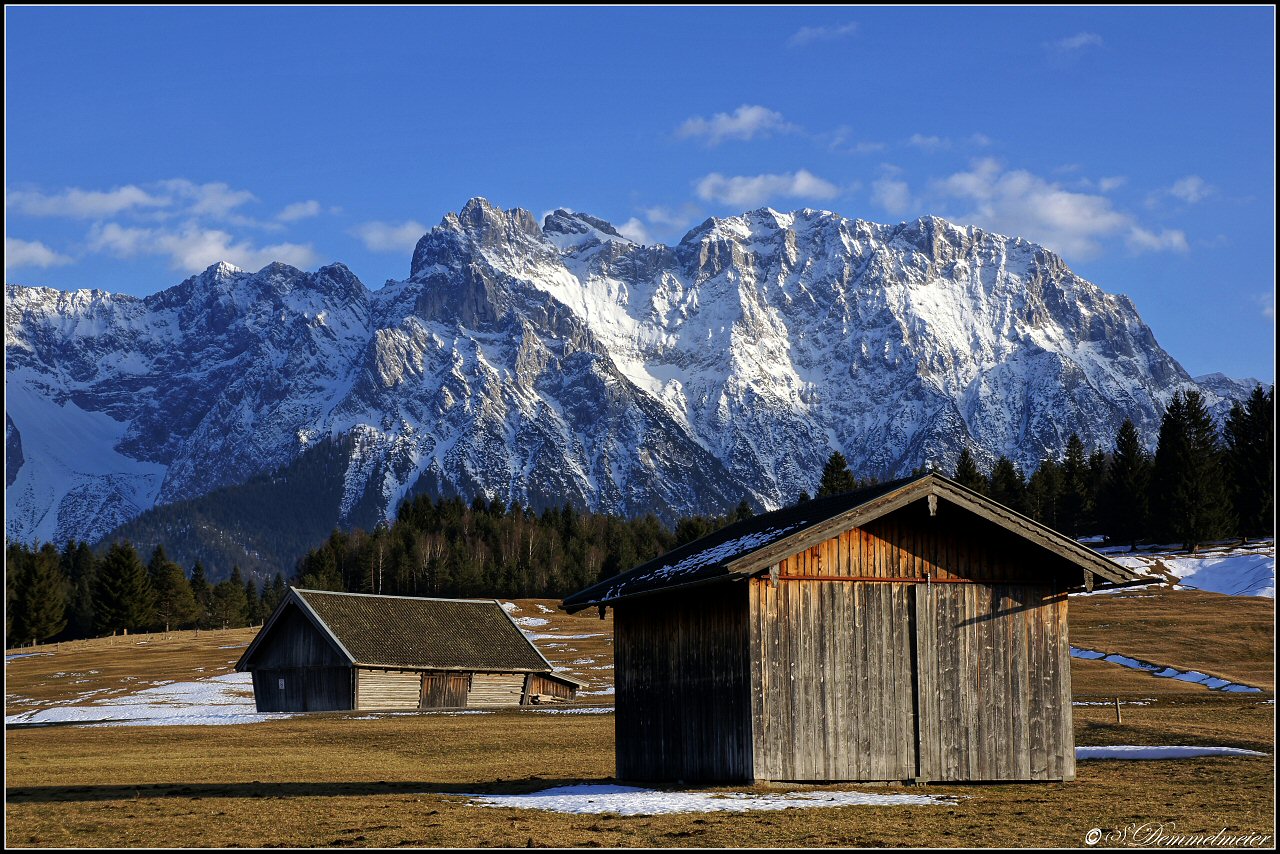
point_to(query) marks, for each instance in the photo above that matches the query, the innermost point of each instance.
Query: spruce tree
(202, 593)
(1123, 505)
(1074, 509)
(176, 605)
(1044, 494)
(1189, 491)
(967, 473)
(123, 599)
(17, 568)
(836, 477)
(253, 603)
(43, 601)
(1249, 437)
(79, 566)
(227, 604)
(1008, 486)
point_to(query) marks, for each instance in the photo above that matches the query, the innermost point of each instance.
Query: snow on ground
(226, 699)
(533, 636)
(561, 710)
(15, 656)
(1248, 570)
(1164, 672)
(531, 622)
(1168, 751)
(630, 800)
(510, 607)
(1110, 703)
(544, 609)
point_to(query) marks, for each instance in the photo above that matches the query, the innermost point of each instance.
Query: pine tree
(1123, 502)
(123, 599)
(967, 473)
(1044, 494)
(1074, 509)
(43, 601)
(79, 566)
(1189, 491)
(1250, 436)
(176, 605)
(227, 604)
(1008, 487)
(253, 603)
(272, 596)
(742, 512)
(203, 594)
(836, 477)
(17, 568)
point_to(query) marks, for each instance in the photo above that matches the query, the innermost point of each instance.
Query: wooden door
(992, 683)
(445, 690)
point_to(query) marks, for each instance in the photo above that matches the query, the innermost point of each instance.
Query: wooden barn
(324, 651)
(912, 631)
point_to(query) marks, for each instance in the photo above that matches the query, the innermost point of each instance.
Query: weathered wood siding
(547, 690)
(302, 689)
(952, 546)
(388, 689)
(994, 672)
(495, 689)
(926, 647)
(834, 697)
(298, 669)
(442, 690)
(683, 703)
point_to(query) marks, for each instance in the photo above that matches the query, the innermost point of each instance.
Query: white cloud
(809, 35)
(929, 143)
(1114, 182)
(665, 217)
(214, 199)
(1267, 302)
(192, 248)
(980, 140)
(635, 230)
(76, 203)
(299, 210)
(893, 194)
(1142, 240)
(389, 236)
(746, 122)
(30, 253)
(1191, 189)
(1076, 42)
(749, 190)
(1016, 202)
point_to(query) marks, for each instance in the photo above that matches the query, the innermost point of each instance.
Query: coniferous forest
(1201, 484)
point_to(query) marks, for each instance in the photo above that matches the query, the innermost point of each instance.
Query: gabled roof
(413, 633)
(747, 547)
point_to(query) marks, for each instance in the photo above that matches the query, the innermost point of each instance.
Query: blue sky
(144, 144)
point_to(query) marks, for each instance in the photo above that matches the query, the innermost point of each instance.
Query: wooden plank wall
(979, 650)
(549, 690)
(295, 642)
(306, 689)
(444, 690)
(495, 689)
(953, 545)
(683, 701)
(388, 689)
(994, 673)
(834, 697)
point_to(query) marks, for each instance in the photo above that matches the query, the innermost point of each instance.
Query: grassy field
(340, 780)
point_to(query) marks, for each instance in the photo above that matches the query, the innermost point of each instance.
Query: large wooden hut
(915, 630)
(322, 651)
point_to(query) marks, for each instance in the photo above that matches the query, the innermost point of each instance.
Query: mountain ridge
(554, 362)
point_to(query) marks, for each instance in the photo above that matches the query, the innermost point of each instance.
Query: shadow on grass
(256, 789)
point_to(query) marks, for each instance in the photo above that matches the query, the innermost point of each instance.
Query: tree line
(1199, 485)
(73, 593)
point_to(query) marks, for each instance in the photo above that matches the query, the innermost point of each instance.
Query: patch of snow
(1143, 751)
(586, 710)
(510, 607)
(631, 800)
(1236, 571)
(533, 636)
(531, 622)
(544, 609)
(233, 646)
(226, 699)
(17, 655)
(606, 691)
(1163, 671)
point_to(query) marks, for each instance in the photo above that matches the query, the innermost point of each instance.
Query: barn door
(992, 684)
(445, 690)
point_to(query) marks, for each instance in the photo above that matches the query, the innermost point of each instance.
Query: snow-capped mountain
(563, 362)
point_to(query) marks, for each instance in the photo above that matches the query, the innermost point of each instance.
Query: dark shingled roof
(435, 634)
(747, 546)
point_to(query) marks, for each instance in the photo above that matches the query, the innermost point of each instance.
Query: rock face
(562, 362)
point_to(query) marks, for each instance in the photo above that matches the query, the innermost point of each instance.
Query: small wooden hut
(912, 631)
(323, 651)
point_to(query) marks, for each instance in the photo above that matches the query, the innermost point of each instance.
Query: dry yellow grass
(336, 780)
